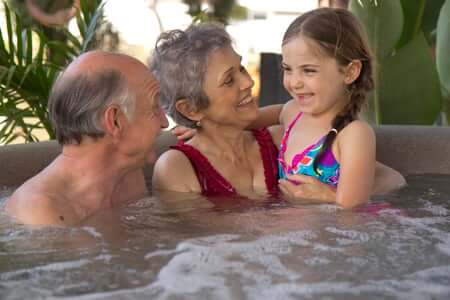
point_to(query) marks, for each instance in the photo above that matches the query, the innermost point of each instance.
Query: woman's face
(229, 89)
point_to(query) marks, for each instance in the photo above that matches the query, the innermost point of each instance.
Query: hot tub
(397, 247)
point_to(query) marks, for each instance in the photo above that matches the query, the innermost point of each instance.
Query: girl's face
(229, 89)
(313, 79)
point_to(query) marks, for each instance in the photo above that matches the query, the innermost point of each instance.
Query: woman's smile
(247, 100)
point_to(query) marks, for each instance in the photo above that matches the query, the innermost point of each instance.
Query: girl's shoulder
(288, 112)
(356, 131)
(357, 126)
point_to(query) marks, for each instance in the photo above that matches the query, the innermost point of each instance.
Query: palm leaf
(27, 74)
(94, 24)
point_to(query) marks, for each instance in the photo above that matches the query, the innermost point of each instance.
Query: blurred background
(40, 37)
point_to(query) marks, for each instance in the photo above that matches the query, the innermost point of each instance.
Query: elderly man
(106, 114)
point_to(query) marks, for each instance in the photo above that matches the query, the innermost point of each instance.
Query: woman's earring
(198, 123)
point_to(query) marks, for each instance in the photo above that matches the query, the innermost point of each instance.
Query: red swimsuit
(213, 184)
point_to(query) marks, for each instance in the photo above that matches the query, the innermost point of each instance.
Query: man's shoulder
(31, 204)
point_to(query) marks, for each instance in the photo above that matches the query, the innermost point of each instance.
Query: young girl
(327, 70)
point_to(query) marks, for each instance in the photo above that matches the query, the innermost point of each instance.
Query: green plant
(402, 34)
(27, 71)
(220, 10)
(443, 53)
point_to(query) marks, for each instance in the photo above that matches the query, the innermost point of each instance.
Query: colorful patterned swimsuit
(302, 163)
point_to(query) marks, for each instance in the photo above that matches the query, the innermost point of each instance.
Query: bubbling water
(397, 247)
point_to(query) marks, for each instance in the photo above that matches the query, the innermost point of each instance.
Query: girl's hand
(298, 188)
(183, 133)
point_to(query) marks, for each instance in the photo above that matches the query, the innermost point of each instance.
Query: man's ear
(352, 71)
(114, 121)
(184, 108)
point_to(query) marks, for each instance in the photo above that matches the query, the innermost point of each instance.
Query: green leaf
(9, 30)
(19, 45)
(81, 25)
(443, 47)
(2, 43)
(412, 15)
(383, 21)
(73, 39)
(29, 55)
(409, 87)
(94, 23)
(7, 129)
(430, 18)
(40, 52)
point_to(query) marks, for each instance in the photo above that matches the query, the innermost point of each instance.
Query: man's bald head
(88, 85)
(99, 61)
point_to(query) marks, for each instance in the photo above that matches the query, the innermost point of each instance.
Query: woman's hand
(299, 188)
(183, 133)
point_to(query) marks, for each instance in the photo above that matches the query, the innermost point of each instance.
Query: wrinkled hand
(183, 133)
(298, 188)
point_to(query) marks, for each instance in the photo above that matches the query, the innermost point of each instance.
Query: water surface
(396, 248)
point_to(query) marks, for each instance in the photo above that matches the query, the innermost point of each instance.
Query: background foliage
(219, 11)
(410, 40)
(30, 61)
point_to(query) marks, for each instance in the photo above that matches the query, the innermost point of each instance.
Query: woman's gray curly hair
(179, 62)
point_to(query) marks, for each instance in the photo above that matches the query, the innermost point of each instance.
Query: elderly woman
(204, 86)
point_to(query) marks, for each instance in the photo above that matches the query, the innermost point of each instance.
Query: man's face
(145, 125)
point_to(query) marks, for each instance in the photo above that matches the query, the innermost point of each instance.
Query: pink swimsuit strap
(283, 144)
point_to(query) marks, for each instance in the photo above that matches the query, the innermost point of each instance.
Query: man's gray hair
(77, 102)
(179, 62)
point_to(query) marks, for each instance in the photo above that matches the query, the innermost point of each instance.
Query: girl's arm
(314, 191)
(310, 190)
(357, 150)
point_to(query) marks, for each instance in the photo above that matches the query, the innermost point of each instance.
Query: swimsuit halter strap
(293, 122)
(286, 134)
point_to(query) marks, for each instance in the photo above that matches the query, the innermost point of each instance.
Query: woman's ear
(352, 71)
(184, 108)
(114, 120)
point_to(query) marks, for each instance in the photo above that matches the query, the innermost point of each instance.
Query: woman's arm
(387, 179)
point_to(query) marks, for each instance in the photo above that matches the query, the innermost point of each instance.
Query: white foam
(92, 231)
(349, 236)
(52, 267)
(208, 263)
